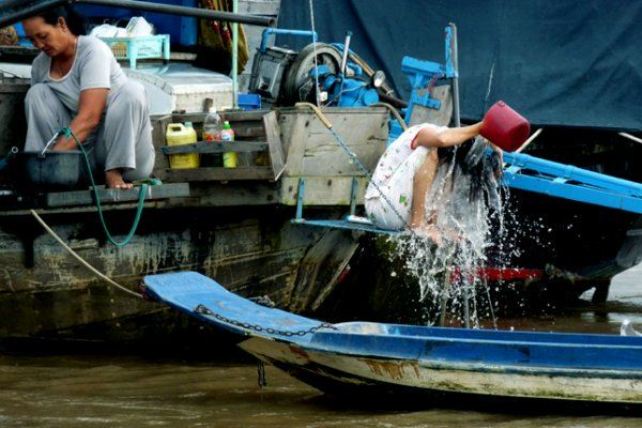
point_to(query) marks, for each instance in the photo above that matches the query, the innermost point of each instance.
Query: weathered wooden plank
(273, 137)
(229, 115)
(262, 7)
(216, 174)
(241, 115)
(159, 124)
(321, 191)
(240, 193)
(439, 117)
(112, 196)
(246, 124)
(256, 131)
(297, 126)
(314, 151)
(217, 147)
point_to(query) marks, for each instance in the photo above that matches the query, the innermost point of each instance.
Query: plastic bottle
(230, 159)
(212, 128)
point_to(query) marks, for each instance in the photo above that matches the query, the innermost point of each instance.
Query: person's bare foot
(431, 232)
(114, 180)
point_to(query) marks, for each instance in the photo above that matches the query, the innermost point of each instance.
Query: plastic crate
(249, 101)
(182, 29)
(135, 48)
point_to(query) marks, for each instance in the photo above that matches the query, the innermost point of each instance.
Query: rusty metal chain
(204, 310)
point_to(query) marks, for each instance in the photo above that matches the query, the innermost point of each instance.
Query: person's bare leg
(422, 181)
(114, 180)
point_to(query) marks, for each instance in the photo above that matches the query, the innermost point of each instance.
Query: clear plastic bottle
(230, 159)
(212, 132)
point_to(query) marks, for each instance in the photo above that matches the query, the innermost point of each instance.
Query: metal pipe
(457, 120)
(455, 80)
(630, 137)
(346, 50)
(14, 17)
(12, 4)
(185, 11)
(140, 5)
(235, 56)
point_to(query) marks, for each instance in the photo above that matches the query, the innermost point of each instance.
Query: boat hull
(47, 294)
(383, 358)
(342, 374)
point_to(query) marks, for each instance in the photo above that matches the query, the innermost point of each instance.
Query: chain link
(204, 310)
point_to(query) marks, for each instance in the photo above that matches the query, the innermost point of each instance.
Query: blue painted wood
(569, 182)
(185, 291)
(573, 173)
(484, 349)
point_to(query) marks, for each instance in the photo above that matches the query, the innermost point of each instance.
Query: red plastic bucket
(504, 127)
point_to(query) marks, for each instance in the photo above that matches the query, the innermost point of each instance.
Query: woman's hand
(500, 152)
(500, 158)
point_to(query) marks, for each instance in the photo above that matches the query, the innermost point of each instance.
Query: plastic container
(249, 102)
(182, 29)
(178, 135)
(142, 47)
(212, 127)
(230, 159)
(504, 127)
(181, 86)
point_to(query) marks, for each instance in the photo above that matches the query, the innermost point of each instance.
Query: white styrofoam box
(11, 70)
(180, 86)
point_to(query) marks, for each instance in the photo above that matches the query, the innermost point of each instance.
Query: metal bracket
(353, 196)
(299, 201)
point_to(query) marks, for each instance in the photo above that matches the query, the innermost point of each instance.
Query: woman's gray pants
(122, 140)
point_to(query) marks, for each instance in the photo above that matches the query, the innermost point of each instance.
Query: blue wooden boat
(380, 358)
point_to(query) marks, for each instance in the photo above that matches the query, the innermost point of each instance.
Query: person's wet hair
(474, 159)
(75, 21)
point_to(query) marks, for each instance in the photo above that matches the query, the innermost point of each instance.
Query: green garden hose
(67, 132)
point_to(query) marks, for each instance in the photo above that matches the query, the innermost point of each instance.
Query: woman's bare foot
(114, 180)
(431, 232)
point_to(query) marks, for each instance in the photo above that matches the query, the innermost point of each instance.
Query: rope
(395, 113)
(67, 132)
(80, 259)
(354, 158)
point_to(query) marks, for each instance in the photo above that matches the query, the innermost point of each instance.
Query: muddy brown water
(82, 390)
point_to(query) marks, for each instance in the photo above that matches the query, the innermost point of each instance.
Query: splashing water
(466, 204)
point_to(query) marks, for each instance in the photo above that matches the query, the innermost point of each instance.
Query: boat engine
(284, 77)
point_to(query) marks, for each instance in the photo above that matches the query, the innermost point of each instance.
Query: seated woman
(77, 83)
(396, 196)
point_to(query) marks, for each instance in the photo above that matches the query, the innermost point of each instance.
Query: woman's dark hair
(473, 159)
(75, 22)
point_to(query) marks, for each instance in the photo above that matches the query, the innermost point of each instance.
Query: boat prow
(378, 357)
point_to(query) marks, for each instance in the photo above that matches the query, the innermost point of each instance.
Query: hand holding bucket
(504, 127)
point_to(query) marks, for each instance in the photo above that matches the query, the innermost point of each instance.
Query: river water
(134, 391)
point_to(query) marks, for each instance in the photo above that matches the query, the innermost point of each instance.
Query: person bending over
(396, 196)
(77, 83)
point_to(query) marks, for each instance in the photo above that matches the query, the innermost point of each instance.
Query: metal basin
(51, 171)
